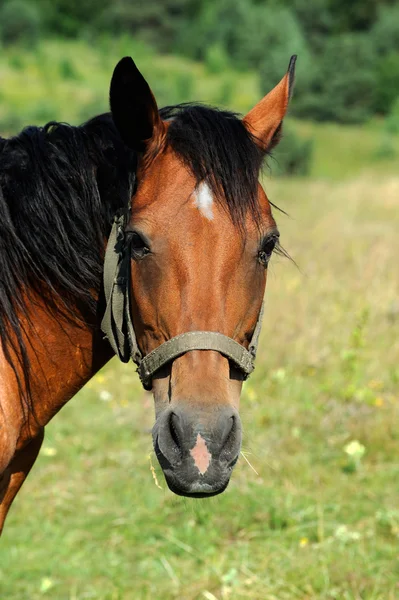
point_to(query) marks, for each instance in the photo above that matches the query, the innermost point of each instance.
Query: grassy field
(312, 509)
(316, 514)
(342, 152)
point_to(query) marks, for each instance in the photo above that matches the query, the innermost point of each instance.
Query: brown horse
(197, 233)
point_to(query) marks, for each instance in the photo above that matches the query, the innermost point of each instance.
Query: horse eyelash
(279, 250)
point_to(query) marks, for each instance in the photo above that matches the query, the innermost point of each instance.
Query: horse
(151, 227)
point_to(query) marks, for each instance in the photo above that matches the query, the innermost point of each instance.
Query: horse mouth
(194, 490)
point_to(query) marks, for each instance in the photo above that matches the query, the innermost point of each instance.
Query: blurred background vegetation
(312, 508)
(58, 56)
(349, 59)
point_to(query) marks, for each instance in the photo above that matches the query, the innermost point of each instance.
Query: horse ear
(133, 107)
(266, 118)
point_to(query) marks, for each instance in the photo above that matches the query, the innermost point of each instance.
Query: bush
(387, 82)
(344, 82)
(20, 22)
(316, 20)
(250, 34)
(392, 121)
(154, 21)
(385, 39)
(283, 37)
(216, 60)
(70, 17)
(293, 156)
(117, 18)
(384, 35)
(262, 36)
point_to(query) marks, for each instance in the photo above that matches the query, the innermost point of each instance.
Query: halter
(117, 324)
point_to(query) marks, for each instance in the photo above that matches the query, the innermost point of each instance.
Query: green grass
(309, 520)
(344, 151)
(312, 521)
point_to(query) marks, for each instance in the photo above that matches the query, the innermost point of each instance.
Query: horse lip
(195, 490)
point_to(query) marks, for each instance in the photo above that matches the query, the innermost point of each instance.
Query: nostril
(168, 440)
(174, 426)
(228, 431)
(230, 447)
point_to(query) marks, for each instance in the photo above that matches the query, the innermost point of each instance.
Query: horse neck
(63, 356)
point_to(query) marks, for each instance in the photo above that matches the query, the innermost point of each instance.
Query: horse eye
(138, 246)
(266, 249)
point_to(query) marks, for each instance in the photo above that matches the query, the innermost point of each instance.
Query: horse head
(198, 239)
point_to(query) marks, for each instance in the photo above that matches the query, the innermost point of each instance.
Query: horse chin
(196, 489)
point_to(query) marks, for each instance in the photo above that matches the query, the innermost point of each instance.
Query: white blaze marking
(201, 455)
(203, 200)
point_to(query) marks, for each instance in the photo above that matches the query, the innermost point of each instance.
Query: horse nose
(197, 445)
(184, 425)
(180, 430)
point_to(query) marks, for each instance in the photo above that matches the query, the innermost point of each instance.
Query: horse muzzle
(197, 448)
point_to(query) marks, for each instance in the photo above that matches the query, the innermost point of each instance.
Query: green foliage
(293, 155)
(385, 31)
(360, 17)
(392, 121)
(387, 82)
(216, 59)
(316, 19)
(343, 85)
(387, 148)
(20, 22)
(154, 21)
(64, 87)
(259, 35)
(384, 37)
(282, 37)
(70, 18)
(348, 67)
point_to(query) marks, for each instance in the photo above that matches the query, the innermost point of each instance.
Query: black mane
(60, 187)
(218, 149)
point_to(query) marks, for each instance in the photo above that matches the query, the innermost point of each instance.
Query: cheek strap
(117, 324)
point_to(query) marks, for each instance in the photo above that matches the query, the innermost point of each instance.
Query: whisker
(247, 461)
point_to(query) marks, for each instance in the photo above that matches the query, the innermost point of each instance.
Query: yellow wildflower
(303, 542)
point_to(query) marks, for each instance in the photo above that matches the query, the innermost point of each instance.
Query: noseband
(117, 324)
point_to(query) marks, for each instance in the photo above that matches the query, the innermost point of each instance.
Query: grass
(318, 519)
(344, 151)
(314, 515)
